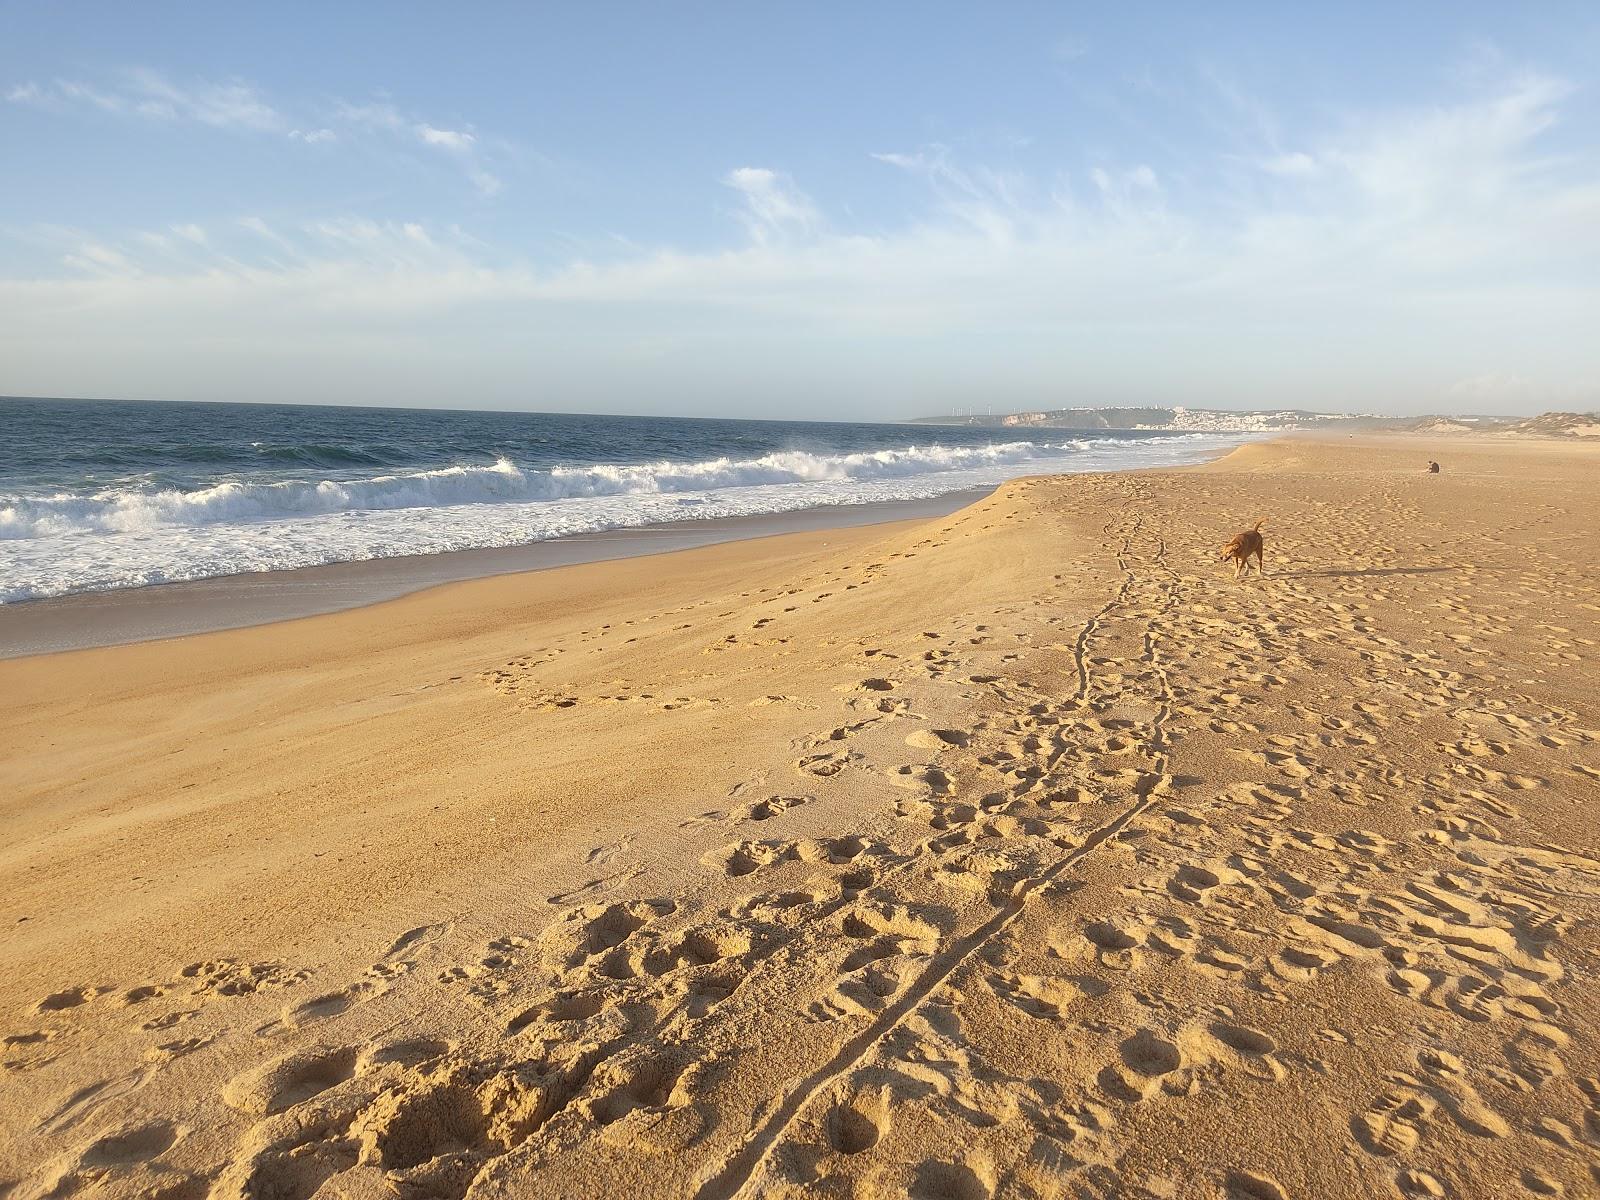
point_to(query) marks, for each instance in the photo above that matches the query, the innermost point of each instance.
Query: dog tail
(1259, 524)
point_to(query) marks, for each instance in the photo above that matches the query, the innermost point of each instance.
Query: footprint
(69, 998)
(1147, 1062)
(290, 1080)
(1253, 1048)
(937, 739)
(951, 1181)
(595, 928)
(330, 1004)
(30, 1050)
(563, 1008)
(857, 1124)
(1150, 1054)
(165, 1052)
(230, 977)
(765, 810)
(408, 1052)
(641, 1078)
(133, 1144)
(414, 940)
(824, 765)
(1419, 1185)
(1250, 1185)
(742, 858)
(1044, 996)
(1392, 1123)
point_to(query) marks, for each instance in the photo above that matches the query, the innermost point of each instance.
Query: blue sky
(804, 210)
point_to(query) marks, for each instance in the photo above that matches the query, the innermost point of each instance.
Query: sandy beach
(1016, 853)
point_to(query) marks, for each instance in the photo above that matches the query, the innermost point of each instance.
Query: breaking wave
(144, 531)
(128, 511)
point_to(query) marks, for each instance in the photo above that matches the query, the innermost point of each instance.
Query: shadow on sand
(1369, 571)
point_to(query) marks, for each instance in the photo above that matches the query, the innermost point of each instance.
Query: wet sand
(112, 618)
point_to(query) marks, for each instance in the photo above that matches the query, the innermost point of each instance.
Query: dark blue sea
(105, 494)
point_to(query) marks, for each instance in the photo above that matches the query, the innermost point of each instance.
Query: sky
(869, 211)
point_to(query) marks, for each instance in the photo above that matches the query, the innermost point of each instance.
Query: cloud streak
(773, 208)
(1421, 258)
(146, 95)
(460, 145)
(149, 95)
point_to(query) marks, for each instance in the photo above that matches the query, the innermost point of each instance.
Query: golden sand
(1020, 854)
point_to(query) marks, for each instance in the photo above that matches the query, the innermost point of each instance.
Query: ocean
(96, 495)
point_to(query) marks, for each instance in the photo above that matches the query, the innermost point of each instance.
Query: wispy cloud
(462, 145)
(374, 114)
(1294, 163)
(992, 203)
(143, 94)
(773, 207)
(446, 139)
(1425, 255)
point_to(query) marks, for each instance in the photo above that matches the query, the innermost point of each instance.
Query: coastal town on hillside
(1213, 420)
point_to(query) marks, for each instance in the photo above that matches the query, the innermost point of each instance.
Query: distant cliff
(1197, 420)
(1215, 420)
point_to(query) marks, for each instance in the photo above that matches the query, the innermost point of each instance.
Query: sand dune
(1017, 854)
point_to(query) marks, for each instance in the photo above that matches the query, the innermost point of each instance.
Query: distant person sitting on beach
(1433, 468)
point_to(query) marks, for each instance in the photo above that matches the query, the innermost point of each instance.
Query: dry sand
(1021, 853)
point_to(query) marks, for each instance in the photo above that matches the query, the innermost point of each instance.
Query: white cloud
(773, 206)
(487, 184)
(1439, 251)
(266, 233)
(149, 95)
(1294, 164)
(992, 203)
(377, 114)
(383, 117)
(96, 259)
(445, 139)
(66, 89)
(221, 105)
(1117, 184)
(1444, 156)
(144, 94)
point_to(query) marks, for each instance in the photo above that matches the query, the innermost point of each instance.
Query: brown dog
(1242, 547)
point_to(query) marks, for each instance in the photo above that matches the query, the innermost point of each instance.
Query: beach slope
(1021, 853)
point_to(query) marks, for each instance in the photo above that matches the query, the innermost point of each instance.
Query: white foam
(53, 545)
(127, 511)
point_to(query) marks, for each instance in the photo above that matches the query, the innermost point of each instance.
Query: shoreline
(121, 615)
(160, 611)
